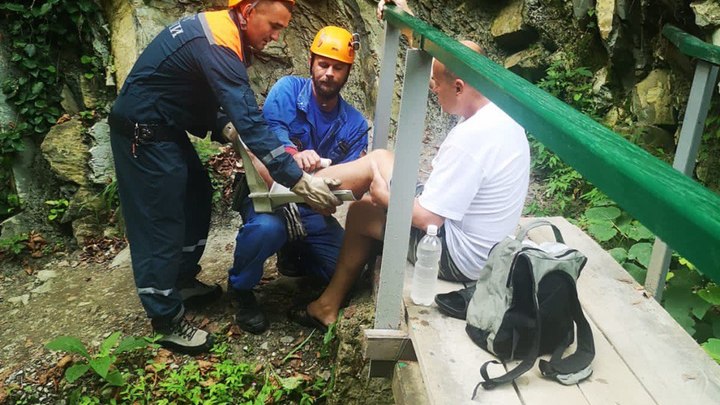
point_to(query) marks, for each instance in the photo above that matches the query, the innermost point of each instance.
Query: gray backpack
(525, 304)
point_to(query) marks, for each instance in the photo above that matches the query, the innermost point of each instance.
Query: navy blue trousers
(166, 200)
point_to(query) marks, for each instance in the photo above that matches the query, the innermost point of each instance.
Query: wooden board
(671, 366)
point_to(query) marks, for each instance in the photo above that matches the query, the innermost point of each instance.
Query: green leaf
(85, 59)
(131, 343)
(76, 371)
(45, 8)
(101, 365)
(108, 344)
(712, 347)
(291, 383)
(636, 231)
(68, 344)
(640, 252)
(711, 294)
(13, 7)
(115, 378)
(602, 231)
(30, 50)
(602, 214)
(37, 87)
(681, 302)
(637, 272)
(619, 254)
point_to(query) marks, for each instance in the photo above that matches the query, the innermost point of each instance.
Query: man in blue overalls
(315, 123)
(179, 82)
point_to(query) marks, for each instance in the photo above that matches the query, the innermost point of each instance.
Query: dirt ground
(62, 295)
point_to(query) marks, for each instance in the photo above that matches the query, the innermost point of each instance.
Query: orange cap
(336, 43)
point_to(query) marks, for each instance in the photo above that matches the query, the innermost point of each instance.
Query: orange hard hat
(336, 43)
(233, 3)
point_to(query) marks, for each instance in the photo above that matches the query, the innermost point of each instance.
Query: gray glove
(316, 192)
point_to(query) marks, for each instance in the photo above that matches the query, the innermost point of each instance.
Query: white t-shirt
(478, 183)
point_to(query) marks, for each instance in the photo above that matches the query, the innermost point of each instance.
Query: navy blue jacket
(190, 70)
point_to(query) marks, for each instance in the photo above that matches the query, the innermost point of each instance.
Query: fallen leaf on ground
(203, 323)
(204, 365)
(234, 331)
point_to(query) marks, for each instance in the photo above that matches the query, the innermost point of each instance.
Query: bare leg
(358, 174)
(365, 224)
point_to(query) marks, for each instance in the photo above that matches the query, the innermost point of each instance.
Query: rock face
(64, 148)
(652, 99)
(101, 160)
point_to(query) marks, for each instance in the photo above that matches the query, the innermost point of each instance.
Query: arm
(227, 77)
(280, 108)
(421, 217)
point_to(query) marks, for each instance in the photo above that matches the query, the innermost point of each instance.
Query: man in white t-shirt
(474, 194)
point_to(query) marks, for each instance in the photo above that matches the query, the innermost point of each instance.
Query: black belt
(145, 133)
(141, 134)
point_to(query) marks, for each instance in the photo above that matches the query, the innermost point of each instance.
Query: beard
(327, 89)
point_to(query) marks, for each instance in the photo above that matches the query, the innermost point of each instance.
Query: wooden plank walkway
(642, 355)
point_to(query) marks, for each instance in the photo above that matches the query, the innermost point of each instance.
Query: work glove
(316, 192)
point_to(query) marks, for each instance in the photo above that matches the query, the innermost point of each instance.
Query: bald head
(447, 73)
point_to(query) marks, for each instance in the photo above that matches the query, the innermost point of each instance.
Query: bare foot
(323, 313)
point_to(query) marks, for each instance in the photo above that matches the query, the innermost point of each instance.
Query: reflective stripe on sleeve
(272, 155)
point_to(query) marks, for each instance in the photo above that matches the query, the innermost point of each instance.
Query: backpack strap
(526, 363)
(576, 366)
(523, 231)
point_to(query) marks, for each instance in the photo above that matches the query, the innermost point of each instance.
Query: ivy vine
(43, 38)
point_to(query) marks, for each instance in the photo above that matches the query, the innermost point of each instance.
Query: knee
(265, 226)
(384, 159)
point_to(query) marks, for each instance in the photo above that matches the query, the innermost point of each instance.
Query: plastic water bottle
(426, 268)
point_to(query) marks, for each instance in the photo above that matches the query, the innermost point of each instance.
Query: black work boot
(249, 316)
(181, 336)
(288, 261)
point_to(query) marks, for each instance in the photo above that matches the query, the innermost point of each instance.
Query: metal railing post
(386, 82)
(411, 128)
(690, 135)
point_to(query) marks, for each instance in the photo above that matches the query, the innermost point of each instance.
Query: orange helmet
(233, 3)
(336, 43)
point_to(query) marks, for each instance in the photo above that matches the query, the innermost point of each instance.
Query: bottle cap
(432, 230)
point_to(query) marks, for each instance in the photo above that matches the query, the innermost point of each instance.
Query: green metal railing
(674, 207)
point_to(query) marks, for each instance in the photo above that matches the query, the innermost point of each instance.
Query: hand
(379, 188)
(402, 4)
(308, 160)
(316, 191)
